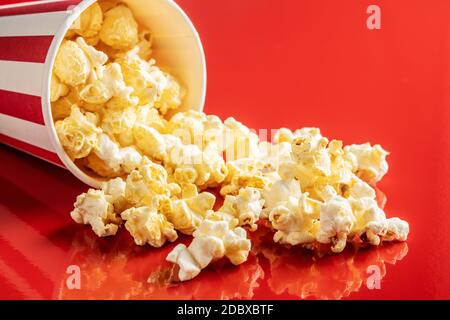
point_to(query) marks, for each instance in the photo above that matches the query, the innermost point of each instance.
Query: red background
(275, 63)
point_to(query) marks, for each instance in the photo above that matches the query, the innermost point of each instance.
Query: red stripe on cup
(27, 49)
(21, 106)
(33, 150)
(39, 8)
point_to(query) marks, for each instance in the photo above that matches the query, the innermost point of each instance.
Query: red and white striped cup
(30, 35)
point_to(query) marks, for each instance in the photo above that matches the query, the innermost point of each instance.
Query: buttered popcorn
(117, 115)
(214, 239)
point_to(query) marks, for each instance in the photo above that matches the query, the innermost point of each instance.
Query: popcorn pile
(110, 104)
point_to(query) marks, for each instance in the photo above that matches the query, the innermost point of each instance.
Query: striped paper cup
(30, 35)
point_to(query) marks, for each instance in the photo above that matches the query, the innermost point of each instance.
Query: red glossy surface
(275, 63)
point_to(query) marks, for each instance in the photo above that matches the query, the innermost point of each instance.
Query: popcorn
(187, 213)
(239, 140)
(106, 5)
(316, 163)
(96, 57)
(291, 213)
(336, 220)
(57, 89)
(170, 97)
(119, 29)
(246, 172)
(312, 155)
(280, 192)
(119, 124)
(78, 133)
(61, 108)
(149, 116)
(117, 113)
(341, 168)
(109, 86)
(72, 66)
(286, 135)
(146, 225)
(190, 165)
(150, 141)
(94, 208)
(283, 135)
(370, 161)
(115, 189)
(194, 127)
(151, 85)
(246, 207)
(110, 160)
(89, 23)
(148, 181)
(371, 220)
(145, 45)
(397, 229)
(212, 241)
(274, 154)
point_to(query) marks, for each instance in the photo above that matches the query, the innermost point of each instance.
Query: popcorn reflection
(115, 268)
(299, 273)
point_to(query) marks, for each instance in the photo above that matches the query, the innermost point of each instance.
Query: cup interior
(176, 47)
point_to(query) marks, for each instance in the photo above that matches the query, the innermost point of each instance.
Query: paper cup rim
(46, 83)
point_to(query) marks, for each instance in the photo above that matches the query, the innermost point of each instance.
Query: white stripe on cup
(26, 131)
(36, 24)
(21, 77)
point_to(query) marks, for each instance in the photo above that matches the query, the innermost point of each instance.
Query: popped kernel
(212, 241)
(246, 172)
(115, 188)
(293, 214)
(151, 85)
(195, 127)
(246, 207)
(72, 66)
(96, 58)
(119, 29)
(110, 160)
(89, 23)
(119, 124)
(150, 141)
(240, 141)
(149, 116)
(370, 161)
(336, 220)
(188, 163)
(57, 89)
(170, 96)
(148, 181)
(78, 133)
(187, 213)
(94, 208)
(146, 225)
(109, 88)
(145, 45)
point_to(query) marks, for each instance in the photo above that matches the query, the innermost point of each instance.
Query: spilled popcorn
(110, 103)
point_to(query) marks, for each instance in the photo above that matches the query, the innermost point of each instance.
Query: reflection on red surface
(118, 269)
(304, 275)
(115, 268)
